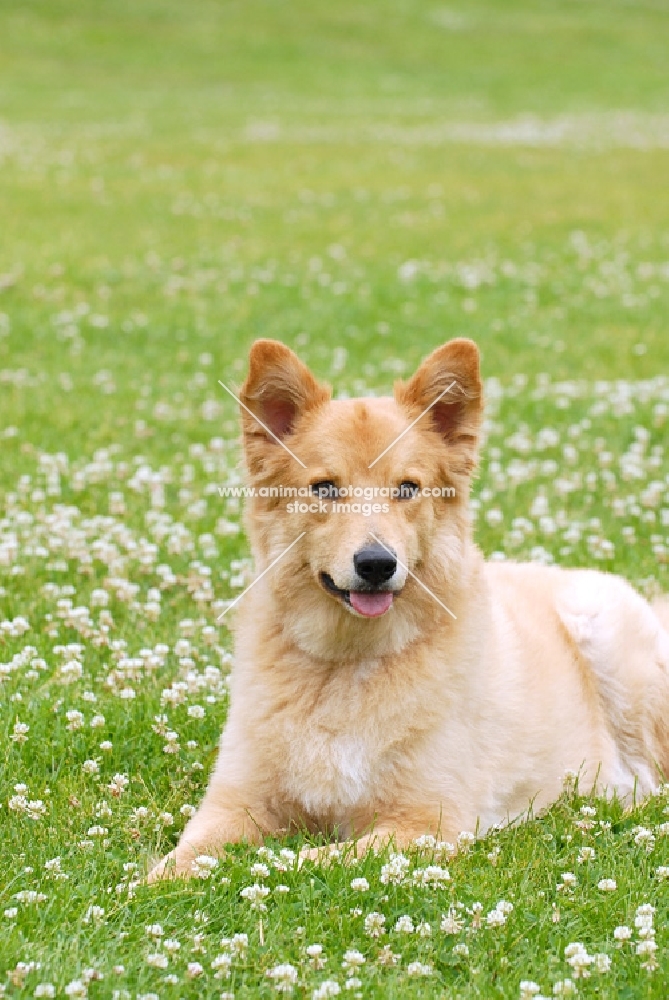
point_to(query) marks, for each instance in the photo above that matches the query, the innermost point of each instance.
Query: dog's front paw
(181, 863)
(344, 852)
(321, 856)
(169, 867)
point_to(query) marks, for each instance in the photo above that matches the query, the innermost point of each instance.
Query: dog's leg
(382, 836)
(211, 828)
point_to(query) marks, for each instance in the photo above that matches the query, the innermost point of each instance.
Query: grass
(361, 181)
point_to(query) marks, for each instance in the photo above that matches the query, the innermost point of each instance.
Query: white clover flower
(222, 966)
(203, 866)
(328, 988)
(284, 977)
(238, 945)
(643, 837)
(118, 784)
(434, 876)
(622, 934)
(287, 857)
(54, 870)
(97, 831)
(528, 989)
(375, 924)
(94, 914)
(404, 925)
(194, 970)
(426, 842)
(461, 950)
(395, 871)
(157, 960)
(76, 988)
(579, 959)
(601, 963)
(70, 673)
(387, 957)
(90, 767)
(564, 988)
(415, 969)
(20, 732)
(451, 923)
(35, 809)
(47, 990)
(259, 870)
(352, 960)
(255, 894)
(29, 896)
(662, 872)
(314, 953)
(172, 945)
(360, 885)
(607, 885)
(75, 719)
(172, 744)
(466, 841)
(647, 950)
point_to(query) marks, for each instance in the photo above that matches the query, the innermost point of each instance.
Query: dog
(388, 683)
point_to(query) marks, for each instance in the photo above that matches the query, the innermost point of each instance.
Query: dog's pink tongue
(370, 605)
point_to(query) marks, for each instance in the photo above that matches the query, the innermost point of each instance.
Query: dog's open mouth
(368, 603)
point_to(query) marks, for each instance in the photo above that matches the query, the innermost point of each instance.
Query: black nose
(374, 564)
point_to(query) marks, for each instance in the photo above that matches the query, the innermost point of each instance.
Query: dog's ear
(447, 388)
(277, 390)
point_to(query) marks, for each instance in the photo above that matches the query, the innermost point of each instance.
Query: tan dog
(388, 682)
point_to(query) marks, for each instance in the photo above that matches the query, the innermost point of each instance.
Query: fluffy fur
(414, 721)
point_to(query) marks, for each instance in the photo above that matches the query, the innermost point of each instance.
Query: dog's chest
(335, 758)
(327, 773)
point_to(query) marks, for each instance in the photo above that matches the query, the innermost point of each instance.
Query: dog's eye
(408, 490)
(325, 489)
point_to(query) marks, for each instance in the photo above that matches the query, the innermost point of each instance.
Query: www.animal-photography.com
(334, 499)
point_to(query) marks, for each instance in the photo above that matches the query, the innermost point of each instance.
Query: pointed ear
(447, 387)
(277, 390)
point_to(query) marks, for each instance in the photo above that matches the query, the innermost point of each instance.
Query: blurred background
(362, 180)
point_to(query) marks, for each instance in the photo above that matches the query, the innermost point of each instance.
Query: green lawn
(362, 180)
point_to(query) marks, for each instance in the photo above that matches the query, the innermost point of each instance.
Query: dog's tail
(661, 609)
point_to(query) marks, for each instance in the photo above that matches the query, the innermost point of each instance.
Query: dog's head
(369, 494)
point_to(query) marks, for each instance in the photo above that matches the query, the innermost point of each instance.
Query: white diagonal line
(407, 429)
(266, 570)
(413, 575)
(264, 426)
